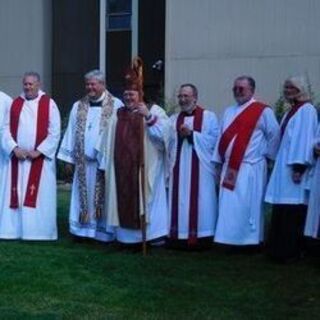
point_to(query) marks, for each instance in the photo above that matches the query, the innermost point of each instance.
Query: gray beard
(187, 108)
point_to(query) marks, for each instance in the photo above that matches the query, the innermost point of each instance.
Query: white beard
(187, 108)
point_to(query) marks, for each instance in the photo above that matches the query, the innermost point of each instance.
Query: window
(118, 42)
(119, 14)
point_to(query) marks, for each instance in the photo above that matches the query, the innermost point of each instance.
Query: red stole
(194, 190)
(127, 164)
(36, 166)
(241, 129)
(289, 115)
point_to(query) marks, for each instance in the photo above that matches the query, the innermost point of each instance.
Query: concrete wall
(210, 42)
(25, 33)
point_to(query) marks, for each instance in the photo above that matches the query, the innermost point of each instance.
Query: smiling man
(249, 136)
(192, 135)
(86, 122)
(30, 138)
(132, 151)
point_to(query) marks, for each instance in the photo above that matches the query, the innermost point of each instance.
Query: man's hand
(20, 153)
(184, 131)
(34, 154)
(143, 110)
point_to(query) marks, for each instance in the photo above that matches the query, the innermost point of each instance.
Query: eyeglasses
(184, 96)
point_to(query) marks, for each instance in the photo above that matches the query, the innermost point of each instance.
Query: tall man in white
(249, 136)
(192, 135)
(30, 139)
(86, 122)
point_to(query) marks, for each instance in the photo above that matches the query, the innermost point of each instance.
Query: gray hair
(95, 74)
(193, 88)
(34, 74)
(302, 85)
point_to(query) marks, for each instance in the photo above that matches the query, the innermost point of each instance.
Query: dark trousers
(285, 240)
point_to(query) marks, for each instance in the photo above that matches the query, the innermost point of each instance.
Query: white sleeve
(205, 141)
(5, 103)
(216, 158)
(156, 126)
(68, 142)
(271, 132)
(7, 141)
(303, 134)
(49, 145)
(117, 103)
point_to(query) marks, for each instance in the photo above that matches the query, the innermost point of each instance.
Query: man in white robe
(244, 165)
(30, 140)
(132, 155)
(86, 122)
(287, 186)
(191, 136)
(312, 227)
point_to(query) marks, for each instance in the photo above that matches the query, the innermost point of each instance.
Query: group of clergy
(139, 175)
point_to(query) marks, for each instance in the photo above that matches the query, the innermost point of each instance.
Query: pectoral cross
(32, 189)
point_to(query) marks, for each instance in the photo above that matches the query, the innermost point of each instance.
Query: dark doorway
(151, 44)
(75, 48)
(118, 42)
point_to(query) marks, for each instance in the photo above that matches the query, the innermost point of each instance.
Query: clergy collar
(97, 102)
(33, 98)
(40, 94)
(246, 104)
(299, 104)
(189, 114)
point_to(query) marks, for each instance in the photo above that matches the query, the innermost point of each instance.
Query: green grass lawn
(67, 280)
